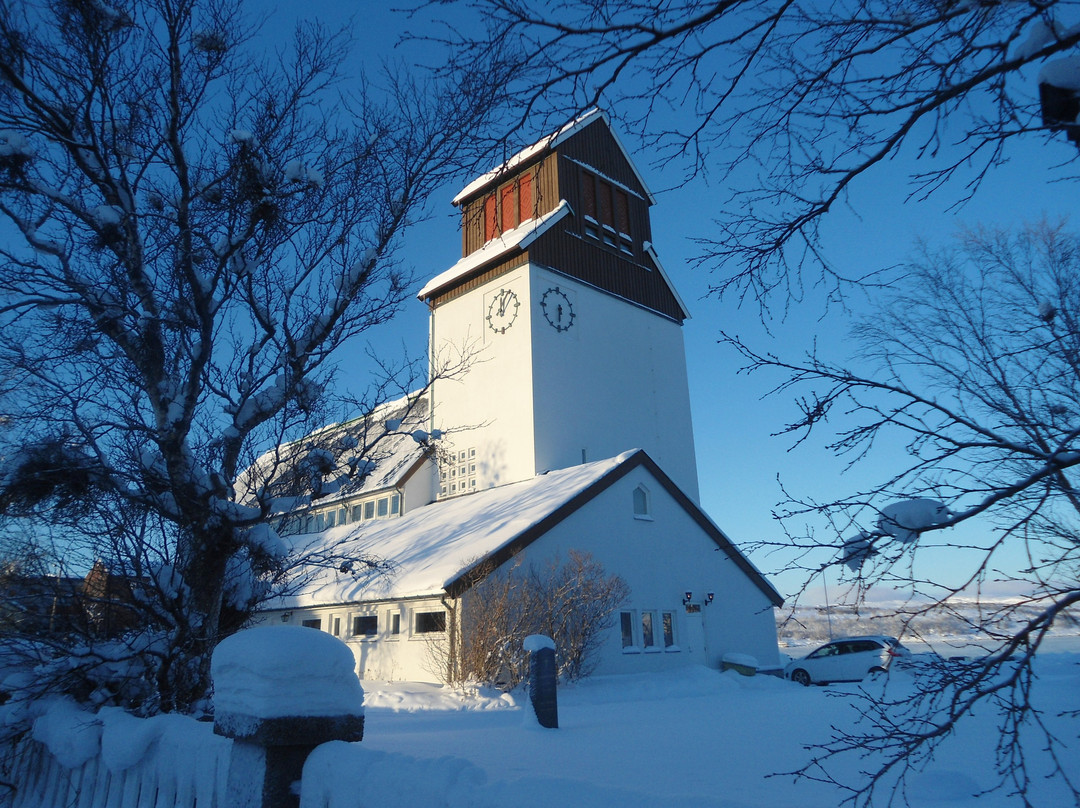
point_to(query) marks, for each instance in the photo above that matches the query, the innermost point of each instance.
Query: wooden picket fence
(172, 775)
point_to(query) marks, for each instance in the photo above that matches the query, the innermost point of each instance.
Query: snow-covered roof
(519, 238)
(364, 455)
(433, 549)
(546, 144)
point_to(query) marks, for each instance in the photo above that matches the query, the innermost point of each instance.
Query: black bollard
(543, 679)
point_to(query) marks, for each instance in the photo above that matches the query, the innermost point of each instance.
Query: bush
(574, 603)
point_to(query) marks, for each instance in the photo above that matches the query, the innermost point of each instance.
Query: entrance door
(693, 639)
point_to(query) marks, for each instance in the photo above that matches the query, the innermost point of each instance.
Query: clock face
(558, 310)
(502, 311)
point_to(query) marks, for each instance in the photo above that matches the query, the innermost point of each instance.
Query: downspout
(452, 631)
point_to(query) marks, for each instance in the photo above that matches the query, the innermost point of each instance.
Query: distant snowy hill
(812, 625)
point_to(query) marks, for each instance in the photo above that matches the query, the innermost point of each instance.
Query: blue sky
(738, 460)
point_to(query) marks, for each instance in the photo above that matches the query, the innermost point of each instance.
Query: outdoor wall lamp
(709, 598)
(286, 617)
(686, 600)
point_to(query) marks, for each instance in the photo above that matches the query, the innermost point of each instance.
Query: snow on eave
(547, 144)
(663, 274)
(519, 238)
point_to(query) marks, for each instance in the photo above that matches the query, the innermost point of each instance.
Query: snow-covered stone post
(543, 677)
(280, 691)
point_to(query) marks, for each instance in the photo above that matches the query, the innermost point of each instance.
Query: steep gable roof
(444, 547)
(542, 146)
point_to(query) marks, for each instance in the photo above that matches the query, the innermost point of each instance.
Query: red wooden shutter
(622, 212)
(525, 200)
(588, 194)
(509, 209)
(606, 215)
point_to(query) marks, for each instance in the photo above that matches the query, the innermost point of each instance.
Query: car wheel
(800, 677)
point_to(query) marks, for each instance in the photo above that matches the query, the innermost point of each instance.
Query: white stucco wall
(537, 398)
(420, 488)
(661, 559)
(488, 408)
(406, 656)
(614, 381)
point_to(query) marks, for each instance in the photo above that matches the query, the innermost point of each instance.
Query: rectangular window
(395, 503)
(365, 625)
(627, 623)
(395, 624)
(357, 513)
(331, 519)
(337, 626)
(647, 638)
(669, 629)
(319, 522)
(342, 516)
(384, 506)
(430, 622)
(314, 622)
(369, 510)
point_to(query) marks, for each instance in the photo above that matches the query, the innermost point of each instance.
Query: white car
(848, 659)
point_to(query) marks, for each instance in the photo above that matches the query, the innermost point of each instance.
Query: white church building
(569, 432)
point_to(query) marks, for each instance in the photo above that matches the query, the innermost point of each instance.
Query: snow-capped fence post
(543, 678)
(279, 692)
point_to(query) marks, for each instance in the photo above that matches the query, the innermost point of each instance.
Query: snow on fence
(280, 692)
(114, 760)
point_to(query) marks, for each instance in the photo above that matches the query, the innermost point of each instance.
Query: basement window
(313, 623)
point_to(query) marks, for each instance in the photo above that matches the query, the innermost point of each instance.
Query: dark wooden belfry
(582, 177)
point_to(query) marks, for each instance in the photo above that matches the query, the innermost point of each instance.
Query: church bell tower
(573, 329)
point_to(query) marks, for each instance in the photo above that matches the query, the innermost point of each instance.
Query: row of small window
(381, 508)
(648, 631)
(366, 626)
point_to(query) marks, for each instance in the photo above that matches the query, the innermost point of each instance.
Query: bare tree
(191, 234)
(793, 103)
(573, 602)
(975, 367)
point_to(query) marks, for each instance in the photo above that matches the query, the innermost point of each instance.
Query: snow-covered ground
(691, 738)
